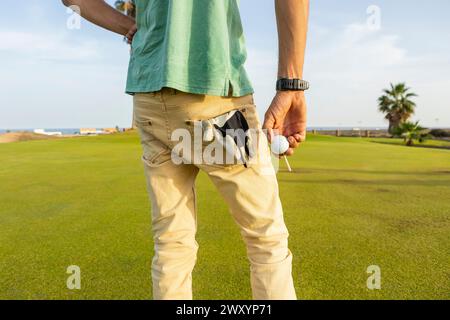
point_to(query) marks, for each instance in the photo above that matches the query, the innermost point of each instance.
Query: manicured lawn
(351, 203)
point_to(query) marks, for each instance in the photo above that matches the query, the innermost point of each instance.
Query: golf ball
(280, 145)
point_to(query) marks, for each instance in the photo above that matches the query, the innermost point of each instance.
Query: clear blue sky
(54, 77)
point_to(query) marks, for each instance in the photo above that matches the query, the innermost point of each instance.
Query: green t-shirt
(195, 46)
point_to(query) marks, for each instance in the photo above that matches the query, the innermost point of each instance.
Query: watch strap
(292, 85)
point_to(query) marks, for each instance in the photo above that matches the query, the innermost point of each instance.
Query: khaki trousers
(251, 194)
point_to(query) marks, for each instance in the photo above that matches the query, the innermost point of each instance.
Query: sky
(52, 76)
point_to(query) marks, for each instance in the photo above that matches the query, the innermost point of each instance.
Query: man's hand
(287, 116)
(130, 35)
(103, 15)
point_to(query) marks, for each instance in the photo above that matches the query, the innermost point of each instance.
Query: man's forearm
(292, 21)
(103, 15)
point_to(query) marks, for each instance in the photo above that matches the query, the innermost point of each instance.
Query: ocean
(62, 130)
(77, 130)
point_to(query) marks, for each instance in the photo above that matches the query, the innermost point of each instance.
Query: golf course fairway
(350, 203)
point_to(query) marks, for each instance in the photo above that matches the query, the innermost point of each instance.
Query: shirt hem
(191, 89)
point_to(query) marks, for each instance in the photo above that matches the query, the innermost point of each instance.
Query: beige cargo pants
(251, 194)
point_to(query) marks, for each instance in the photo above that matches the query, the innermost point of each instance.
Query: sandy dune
(22, 136)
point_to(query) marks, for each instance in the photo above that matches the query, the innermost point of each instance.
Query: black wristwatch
(292, 85)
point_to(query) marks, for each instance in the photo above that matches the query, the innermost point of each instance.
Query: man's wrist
(127, 25)
(296, 95)
(291, 70)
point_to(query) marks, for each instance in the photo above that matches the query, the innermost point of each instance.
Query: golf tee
(287, 164)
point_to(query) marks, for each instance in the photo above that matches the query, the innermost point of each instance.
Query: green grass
(351, 203)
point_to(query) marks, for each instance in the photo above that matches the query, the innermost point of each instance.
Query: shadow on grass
(376, 182)
(413, 146)
(384, 182)
(301, 171)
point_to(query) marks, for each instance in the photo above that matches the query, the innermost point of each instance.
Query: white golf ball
(280, 145)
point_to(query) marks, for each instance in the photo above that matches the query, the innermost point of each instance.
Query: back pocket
(155, 153)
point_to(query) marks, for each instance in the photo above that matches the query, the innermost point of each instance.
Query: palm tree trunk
(394, 123)
(391, 127)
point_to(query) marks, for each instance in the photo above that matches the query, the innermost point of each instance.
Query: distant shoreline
(64, 131)
(17, 135)
(27, 135)
(76, 131)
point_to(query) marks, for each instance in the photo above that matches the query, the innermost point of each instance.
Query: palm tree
(128, 7)
(396, 103)
(411, 131)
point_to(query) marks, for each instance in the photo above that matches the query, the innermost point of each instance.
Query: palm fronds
(397, 104)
